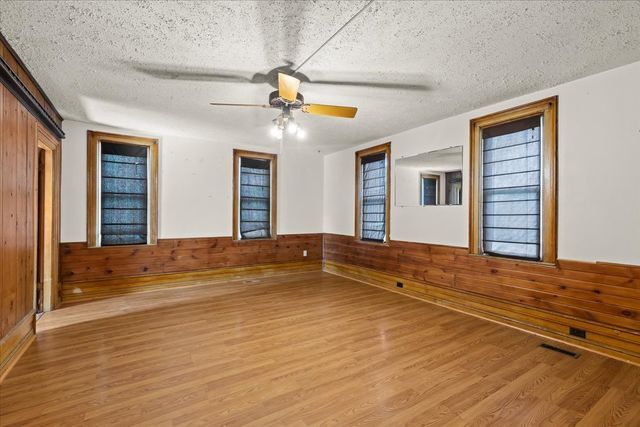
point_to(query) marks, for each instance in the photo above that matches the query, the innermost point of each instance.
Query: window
(372, 193)
(430, 189)
(453, 194)
(122, 194)
(254, 195)
(513, 201)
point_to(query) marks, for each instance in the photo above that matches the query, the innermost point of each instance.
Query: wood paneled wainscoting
(27, 121)
(21, 136)
(600, 299)
(91, 273)
(17, 253)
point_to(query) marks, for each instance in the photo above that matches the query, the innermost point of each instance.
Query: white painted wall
(195, 185)
(598, 201)
(407, 186)
(598, 173)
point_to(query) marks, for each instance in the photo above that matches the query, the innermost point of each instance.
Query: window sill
(366, 242)
(262, 239)
(516, 260)
(122, 246)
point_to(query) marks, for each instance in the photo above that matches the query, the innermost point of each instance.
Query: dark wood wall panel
(17, 149)
(80, 263)
(27, 118)
(607, 294)
(24, 76)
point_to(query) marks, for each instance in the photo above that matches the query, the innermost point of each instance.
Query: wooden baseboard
(15, 343)
(91, 290)
(612, 342)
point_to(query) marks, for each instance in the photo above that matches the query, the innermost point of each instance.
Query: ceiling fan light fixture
(276, 132)
(292, 126)
(287, 99)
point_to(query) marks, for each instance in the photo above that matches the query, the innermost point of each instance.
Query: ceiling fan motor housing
(275, 100)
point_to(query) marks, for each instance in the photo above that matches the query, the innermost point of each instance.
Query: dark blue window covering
(255, 198)
(374, 182)
(511, 189)
(123, 219)
(429, 191)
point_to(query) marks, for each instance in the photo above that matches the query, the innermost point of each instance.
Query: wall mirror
(430, 179)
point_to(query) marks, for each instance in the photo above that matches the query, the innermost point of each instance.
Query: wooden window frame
(237, 155)
(548, 109)
(93, 141)
(382, 148)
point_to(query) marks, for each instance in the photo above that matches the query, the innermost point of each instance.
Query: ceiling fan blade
(288, 87)
(223, 104)
(403, 86)
(330, 110)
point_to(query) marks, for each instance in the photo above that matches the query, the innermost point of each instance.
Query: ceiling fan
(287, 99)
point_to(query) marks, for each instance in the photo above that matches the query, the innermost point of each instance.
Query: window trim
(382, 148)
(237, 155)
(548, 108)
(93, 142)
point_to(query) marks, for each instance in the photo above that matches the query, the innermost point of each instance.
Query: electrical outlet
(304, 252)
(399, 284)
(580, 333)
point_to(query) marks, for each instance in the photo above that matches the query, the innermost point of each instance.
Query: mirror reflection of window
(429, 179)
(430, 189)
(454, 188)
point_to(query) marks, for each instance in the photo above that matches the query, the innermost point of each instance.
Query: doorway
(40, 245)
(46, 212)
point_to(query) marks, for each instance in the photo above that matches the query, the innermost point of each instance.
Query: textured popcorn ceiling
(87, 56)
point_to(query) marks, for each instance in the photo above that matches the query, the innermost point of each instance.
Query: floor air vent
(560, 350)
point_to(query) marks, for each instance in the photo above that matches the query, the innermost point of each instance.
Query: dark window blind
(429, 191)
(255, 198)
(511, 189)
(123, 202)
(374, 193)
(453, 188)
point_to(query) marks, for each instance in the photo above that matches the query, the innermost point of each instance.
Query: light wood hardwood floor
(304, 349)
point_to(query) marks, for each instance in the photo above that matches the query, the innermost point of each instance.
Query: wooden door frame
(51, 287)
(41, 200)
